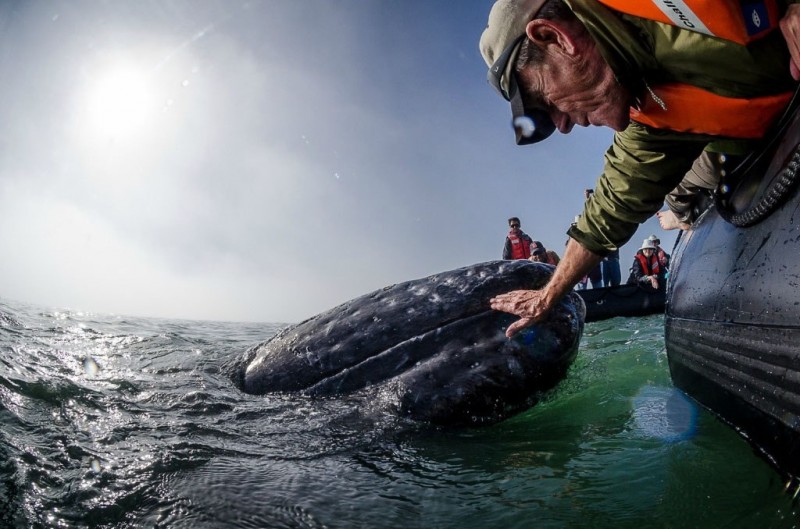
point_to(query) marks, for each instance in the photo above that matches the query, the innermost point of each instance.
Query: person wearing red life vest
(518, 243)
(663, 256)
(673, 81)
(646, 270)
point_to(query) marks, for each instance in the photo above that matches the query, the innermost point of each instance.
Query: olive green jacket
(644, 164)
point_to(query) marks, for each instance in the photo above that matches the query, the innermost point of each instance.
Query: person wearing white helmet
(663, 256)
(645, 270)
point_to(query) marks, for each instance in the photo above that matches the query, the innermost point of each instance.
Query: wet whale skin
(430, 349)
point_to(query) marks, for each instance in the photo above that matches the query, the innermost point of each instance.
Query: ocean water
(117, 422)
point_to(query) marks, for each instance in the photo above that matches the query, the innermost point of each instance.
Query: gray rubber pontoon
(733, 303)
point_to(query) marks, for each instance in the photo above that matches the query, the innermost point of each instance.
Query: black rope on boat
(777, 193)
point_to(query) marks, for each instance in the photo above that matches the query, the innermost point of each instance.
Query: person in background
(596, 275)
(518, 243)
(646, 270)
(610, 266)
(663, 257)
(539, 254)
(536, 245)
(542, 255)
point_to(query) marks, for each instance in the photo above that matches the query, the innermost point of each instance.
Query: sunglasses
(495, 74)
(515, 225)
(531, 125)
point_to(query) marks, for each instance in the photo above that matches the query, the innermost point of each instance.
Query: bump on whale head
(433, 346)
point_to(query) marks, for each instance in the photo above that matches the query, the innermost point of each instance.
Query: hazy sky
(261, 161)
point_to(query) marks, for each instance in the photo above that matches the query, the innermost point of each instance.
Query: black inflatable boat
(621, 300)
(733, 301)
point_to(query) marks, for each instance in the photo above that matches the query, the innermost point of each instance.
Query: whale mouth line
(424, 331)
(325, 384)
(405, 346)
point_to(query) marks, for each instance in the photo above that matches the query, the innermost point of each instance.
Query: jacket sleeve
(637, 273)
(641, 167)
(507, 249)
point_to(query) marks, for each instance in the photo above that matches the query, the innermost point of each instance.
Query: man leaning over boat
(671, 94)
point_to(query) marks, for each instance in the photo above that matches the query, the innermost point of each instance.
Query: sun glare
(120, 105)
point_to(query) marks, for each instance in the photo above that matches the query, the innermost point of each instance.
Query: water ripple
(116, 422)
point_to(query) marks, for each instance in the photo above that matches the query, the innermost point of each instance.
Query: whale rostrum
(432, 347)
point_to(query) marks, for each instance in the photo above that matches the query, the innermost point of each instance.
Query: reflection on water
(121, 423)
(665, 413)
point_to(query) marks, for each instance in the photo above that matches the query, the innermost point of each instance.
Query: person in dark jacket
(518, 243)
(646, 270)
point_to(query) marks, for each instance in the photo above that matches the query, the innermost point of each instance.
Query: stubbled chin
(620, 123)
(616, 117)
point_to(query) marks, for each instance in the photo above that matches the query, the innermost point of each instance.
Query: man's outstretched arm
(533, 305)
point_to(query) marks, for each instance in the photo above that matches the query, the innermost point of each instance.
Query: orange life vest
(649, 266)
(734, 20)
(687, 108)
(520, 246)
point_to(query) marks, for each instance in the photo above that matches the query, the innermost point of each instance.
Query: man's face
(581, 92)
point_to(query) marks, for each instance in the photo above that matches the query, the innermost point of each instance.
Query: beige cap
(507, 21)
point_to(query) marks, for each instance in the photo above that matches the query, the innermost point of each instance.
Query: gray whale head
(432, 348)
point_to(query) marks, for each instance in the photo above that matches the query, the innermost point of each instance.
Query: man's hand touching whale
(532, 306)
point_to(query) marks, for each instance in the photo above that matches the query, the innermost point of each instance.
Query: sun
(119, 104)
